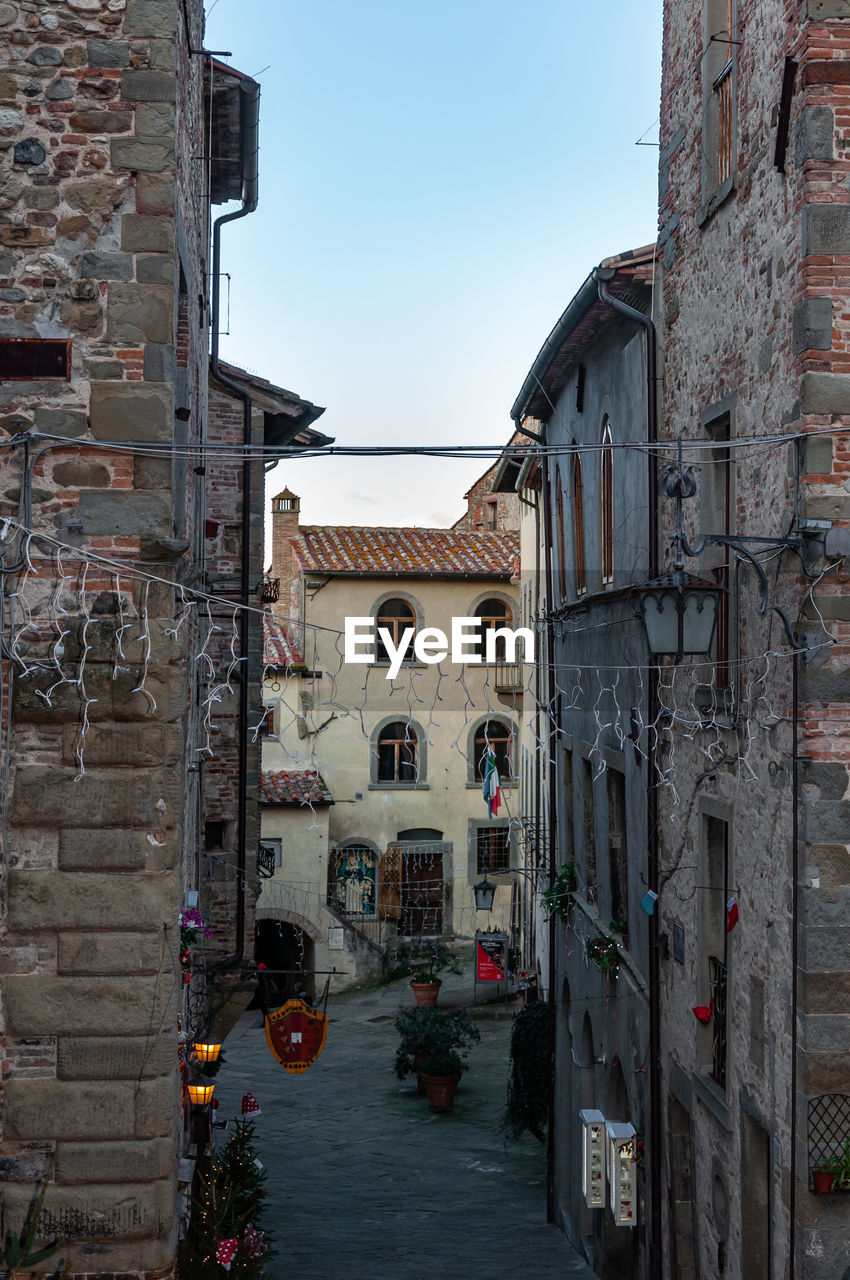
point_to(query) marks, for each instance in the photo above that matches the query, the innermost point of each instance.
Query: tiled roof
(278, 649)
(423, 553)
(299, 787)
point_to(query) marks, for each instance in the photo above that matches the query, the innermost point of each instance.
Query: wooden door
(423, 887)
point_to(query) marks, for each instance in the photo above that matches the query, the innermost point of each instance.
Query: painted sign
(296, 1033)
(490, 956)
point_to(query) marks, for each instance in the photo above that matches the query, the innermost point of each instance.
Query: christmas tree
(228, 1209)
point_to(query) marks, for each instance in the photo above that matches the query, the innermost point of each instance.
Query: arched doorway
(286, 950)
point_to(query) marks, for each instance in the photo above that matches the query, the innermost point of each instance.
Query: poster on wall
(490, 957)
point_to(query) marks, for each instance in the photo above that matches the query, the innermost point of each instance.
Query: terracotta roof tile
(296, 787)
(278, 649)
(428, 553)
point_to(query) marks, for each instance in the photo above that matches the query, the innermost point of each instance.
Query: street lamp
(485, 892)
(679, 611)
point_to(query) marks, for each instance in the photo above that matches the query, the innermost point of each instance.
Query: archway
(286, 949)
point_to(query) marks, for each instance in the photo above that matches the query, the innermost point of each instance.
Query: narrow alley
(365, 1183)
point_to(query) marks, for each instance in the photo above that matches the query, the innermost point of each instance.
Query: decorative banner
(731, 913)
(296, 1035)
(490, 955)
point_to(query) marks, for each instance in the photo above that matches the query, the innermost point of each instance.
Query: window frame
(578, 526)
(418, 782)
(474, 777)
(719, 103)
(382, 658)
(606, 504)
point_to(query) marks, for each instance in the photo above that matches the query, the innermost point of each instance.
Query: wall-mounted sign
(593, 1158)
(296, 1033)
(336, 936)
(491, 953)
(621, 1172)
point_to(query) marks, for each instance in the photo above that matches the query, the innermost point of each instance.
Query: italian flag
(490, 790)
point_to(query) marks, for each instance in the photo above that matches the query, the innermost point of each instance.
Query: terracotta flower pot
(441, 1091)
(426, 993)
(822, 1182)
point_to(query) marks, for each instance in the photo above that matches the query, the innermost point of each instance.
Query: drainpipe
(249, 115)
(554, 768)
(603, 275)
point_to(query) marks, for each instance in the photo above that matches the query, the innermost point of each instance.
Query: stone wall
(753, 325)
(103, 230)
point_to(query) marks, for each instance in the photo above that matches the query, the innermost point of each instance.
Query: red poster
(490, 960)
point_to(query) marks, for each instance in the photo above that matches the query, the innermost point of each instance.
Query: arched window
(606, 504)
(398, 750)
(395, 616)
(559, 516)
(351, 888)
(494, 615)
(495, 736)
(578, 526)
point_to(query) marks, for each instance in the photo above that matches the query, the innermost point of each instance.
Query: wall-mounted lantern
(207, 1052)
(593, 1158)
(621, 1172)
(200, 1094)
(485, 892)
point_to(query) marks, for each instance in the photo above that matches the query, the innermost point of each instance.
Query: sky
(436, 181)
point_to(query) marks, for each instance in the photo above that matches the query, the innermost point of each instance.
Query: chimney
(286, 514)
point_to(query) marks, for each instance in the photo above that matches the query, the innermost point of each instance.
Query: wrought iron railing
(507, 677)
(717, 975)
(270, 592)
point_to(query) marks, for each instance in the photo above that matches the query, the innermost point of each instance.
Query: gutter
(249, 119)
(602, 276)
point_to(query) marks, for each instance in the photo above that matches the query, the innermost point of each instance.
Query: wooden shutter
(389, 883)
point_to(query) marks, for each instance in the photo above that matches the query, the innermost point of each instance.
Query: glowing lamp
(593, 1158)
(200, 1094)
(207, 1052)
(621, 1172)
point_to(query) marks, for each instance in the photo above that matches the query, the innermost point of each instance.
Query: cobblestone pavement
(366, 1184)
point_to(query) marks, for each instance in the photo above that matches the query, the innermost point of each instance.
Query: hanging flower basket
(603, 953)
(556, 899)
(192, 927)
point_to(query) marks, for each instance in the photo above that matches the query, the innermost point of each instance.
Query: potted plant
(556, 898)
(833, 1173)
(434, 1043)
(424, 958)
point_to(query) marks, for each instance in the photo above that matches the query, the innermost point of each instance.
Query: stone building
(408, 832)
(118, 132)
(585, 399)
(752, 808)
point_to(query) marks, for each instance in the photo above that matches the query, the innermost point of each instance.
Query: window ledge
(714, 1099)
(718, 197)
(398, 786)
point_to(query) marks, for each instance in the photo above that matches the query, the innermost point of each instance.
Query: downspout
(249, 116)
(795, 928)
(602, 275)
(555, 724)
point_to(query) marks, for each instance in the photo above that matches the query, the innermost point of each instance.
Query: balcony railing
(270, 590)
(507, 677)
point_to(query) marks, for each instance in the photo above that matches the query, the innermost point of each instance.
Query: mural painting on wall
(355, 869)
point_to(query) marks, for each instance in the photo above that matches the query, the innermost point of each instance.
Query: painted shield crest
(296, 1035)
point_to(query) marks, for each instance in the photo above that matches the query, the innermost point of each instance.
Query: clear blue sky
(436, 180)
